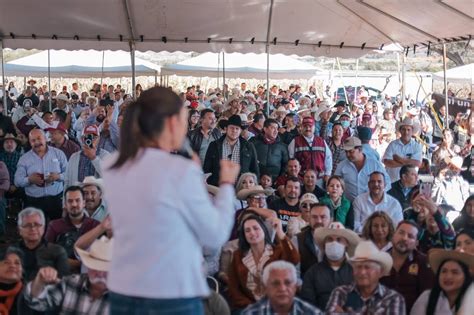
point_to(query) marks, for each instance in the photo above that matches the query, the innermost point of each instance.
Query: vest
(311, 156)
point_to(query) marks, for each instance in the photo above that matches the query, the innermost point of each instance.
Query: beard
(100, 118)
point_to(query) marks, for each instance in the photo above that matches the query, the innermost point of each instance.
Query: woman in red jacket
(256, 250)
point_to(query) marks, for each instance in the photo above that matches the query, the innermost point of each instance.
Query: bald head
(37, 140)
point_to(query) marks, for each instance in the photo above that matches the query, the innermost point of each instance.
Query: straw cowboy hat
(367, 251)
(11, 136)
(213, 190)
(243, 194)
(62, 97)
(92, 181)
(436, 257)
(99, 255)
(337, 229)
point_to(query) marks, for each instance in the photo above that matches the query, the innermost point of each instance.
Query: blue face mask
(345, 124)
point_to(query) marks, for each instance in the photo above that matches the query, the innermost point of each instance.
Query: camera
(89, 141)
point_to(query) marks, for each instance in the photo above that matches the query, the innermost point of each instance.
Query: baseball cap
(352, 143)
(59, 127)
(308, 121)
(91, 129)
(309, 197)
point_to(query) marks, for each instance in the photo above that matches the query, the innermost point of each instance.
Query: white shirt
(364, 207)
(421, 304)
(162, 216)
(411, 150)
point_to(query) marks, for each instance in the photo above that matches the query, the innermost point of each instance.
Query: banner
(455, 105)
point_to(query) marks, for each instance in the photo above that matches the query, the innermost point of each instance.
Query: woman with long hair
(339, 205)
(256, 250)
(193, 119)
(465, 220)
(452, 281)
(445, 151)
(161, 212)
(379, 229)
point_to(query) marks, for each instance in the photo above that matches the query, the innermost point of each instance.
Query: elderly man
(280, 282)
(355, 170)
(37, 251)
(410, 274)
(403, 151)
(87, 161)
(95, 204)
(311, 151)
(293, 168)
(310, 253)
(66, 231)
(41, 172)
(375, 200)
(272, 154)
(59, 140)
(10, 156)
(85, 293)
(366, 295)
(231, 147)
(319, 281)
(403, 189)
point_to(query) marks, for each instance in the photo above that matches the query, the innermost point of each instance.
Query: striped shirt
(54, 161)
(383, 301)
(299, 307)
(69, 296)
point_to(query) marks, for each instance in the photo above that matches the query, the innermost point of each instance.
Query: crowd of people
(311, 207)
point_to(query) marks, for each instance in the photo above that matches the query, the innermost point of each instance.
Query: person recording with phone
(87, 161)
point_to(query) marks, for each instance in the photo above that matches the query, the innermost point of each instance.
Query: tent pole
(5, 97)
(102, 69)
(223, 76)
(156, 78)
(342, 81)
(132, 56)
(267, 50)
(357, 72)
(50, 104)
(445, 65)
(404, 70)
(161, 79)
(218, 68)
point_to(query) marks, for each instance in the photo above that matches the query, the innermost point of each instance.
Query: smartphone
(425, 189)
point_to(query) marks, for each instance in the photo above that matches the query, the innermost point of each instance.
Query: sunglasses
(306, 205)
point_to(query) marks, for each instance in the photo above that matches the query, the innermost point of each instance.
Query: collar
(379, 290)
(310, 140)
(384, 199)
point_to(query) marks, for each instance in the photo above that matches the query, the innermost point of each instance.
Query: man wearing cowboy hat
(366, 295)
(311, 150)
(10, 156)
(323, 127)
(410, 274)
(272, 153)
(334, 270)
(231, 146)
(85, 293)
(95, 205)
(59, 140)
(403, 151)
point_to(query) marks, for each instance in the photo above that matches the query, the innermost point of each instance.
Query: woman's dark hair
(435, 292)
(144, 119)
(463, 210)
(244, 246)
(467, 232)
(62, 115)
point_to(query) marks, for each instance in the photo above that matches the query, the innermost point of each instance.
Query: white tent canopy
(463, 74)
(80, 64)
(245, 66)
(343, 28)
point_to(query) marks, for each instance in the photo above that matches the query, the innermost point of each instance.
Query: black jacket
(195, 137)
(397, 192)
(248, 159)
(272, 158)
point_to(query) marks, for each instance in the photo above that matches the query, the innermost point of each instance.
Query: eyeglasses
(306, 205)
(31, 226)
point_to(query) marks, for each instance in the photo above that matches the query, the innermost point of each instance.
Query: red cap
(91, 129)
(194, 104)
(308, 121)
(59, 127)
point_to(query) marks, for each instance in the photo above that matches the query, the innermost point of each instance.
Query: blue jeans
(127, 305)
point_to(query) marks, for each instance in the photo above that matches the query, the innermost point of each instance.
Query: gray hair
(241, 179)
(279, 265)
(30, 211)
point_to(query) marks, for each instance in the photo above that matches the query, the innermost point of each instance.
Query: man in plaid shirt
(84, 294)
(280, 280)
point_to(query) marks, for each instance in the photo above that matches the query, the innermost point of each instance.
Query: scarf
(10, 296)
(268, 140)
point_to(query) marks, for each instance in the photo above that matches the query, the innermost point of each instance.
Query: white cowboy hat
(281, 109)
(436, 256)
(457, 162)
(367, 251)
(405, 122)
(91, 180)
(62, 97)
(99, 255)
(243, 194)
(322, 109)
(338, 229)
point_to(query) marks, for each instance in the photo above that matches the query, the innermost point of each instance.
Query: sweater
(72, 170)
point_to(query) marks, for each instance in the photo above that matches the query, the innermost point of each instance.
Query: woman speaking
(161, 212)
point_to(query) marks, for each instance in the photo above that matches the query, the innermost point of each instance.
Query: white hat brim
(91, 262)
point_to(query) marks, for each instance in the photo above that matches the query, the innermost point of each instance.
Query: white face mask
(334, 250)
